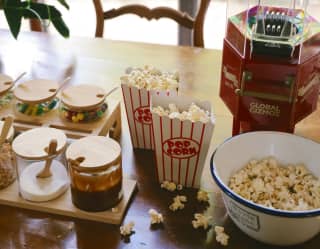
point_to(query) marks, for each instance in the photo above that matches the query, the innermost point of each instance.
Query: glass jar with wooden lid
(95, 170)
(7, 166)
(83, 103)
(36, 97)
(6, 83)
(42, 171)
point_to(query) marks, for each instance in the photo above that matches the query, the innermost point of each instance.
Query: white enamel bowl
(266, 224)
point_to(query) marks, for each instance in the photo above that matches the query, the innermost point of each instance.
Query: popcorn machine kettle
(271, 64)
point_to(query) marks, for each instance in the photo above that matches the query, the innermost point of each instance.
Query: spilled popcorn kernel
(179, 187)
(156, 217)
(178, 202)
(202, 196)
(170, 186)
(127, 229)
(221, 236)
(200, 220)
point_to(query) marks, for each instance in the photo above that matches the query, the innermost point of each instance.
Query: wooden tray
(63, 205)
(110, 122)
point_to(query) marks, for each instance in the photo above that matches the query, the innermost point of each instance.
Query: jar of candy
(42, 174)
(6, 83)
(36, 97)
(83, 103)
(7, 166)
(95, 170)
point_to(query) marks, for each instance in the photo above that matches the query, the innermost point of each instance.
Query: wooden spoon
(62, 84)
(51, 151)
(108, 93)
(5, 129)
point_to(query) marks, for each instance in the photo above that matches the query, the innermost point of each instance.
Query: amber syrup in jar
(96, 173)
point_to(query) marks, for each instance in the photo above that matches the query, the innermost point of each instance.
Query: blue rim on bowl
(257, 207)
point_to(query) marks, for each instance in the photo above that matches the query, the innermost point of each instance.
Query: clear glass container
(6, 98)
(7, 166)
(36, 109)
(41, 168)
(83, 103)
(6, 95)
(95, 171)
(271, 27)
(36, 97)
(7, 162)
(82, 116)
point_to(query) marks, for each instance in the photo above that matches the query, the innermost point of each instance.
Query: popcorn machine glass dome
(271, 64)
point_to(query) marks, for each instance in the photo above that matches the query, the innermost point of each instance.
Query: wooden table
(102, 62)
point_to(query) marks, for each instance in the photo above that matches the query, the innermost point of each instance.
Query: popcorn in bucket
(182, 134)
(137, 85)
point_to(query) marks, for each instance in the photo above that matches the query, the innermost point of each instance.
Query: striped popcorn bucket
(181, 147)
(137, 104)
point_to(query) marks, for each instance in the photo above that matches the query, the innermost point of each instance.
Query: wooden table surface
(102, 62)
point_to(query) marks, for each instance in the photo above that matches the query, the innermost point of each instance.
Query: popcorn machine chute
(271, 64)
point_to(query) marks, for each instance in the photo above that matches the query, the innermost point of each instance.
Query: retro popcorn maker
(271, 64)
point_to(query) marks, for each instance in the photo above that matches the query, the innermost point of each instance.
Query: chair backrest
(182, 18)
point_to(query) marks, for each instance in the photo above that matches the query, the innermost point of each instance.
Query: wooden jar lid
(99, 153)
(6, 82)
(10, 133)
(83, 97)
(32, 144)
(36, 91)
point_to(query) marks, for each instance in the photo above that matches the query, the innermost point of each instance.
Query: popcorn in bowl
(150, 77)
(257, 220)
(286, 187)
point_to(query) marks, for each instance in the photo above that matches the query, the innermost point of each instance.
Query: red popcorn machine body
(271, 65)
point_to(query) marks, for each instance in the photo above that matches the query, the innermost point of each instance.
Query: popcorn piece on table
(202, 196)
(178, 202)
(201, 221)
(170, 186)
(194, 113)
(151, 78)
(221, 236)
(179, 187)
(156, 217)
(127, 229)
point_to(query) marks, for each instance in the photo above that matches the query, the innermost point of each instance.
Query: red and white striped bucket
(137, 104)
(181, 147)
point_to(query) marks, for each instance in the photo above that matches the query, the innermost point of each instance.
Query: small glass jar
(42, 174)
(95, 170)
(36, 97)
(6, 95)
(7, 165)
(83, 104)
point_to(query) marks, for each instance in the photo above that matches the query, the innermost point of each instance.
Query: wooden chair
(193, 23)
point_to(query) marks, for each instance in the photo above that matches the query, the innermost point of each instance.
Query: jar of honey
(83, 103)
(36, 97)
(95, 170)
(6, 83)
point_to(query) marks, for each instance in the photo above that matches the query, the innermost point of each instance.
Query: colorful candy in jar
(83, 103)
(36, 97)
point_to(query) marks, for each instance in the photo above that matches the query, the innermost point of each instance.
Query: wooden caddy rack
(111, 122)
